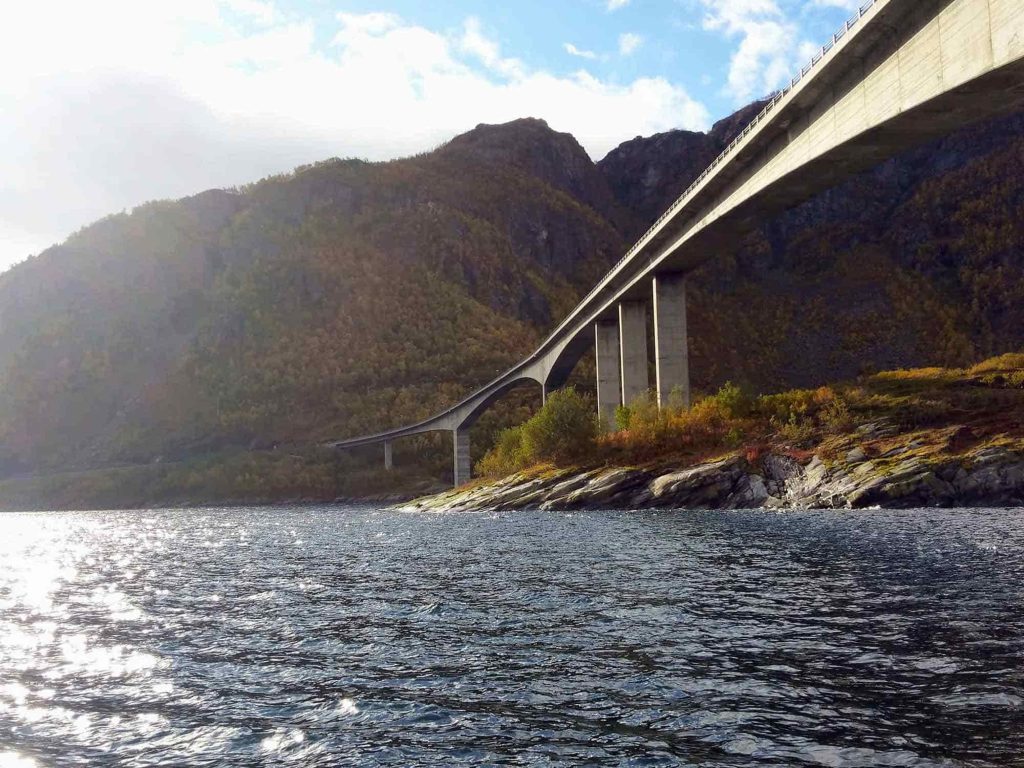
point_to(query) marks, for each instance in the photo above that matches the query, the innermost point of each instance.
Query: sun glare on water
(58, 604)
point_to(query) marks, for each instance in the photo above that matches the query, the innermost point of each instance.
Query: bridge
(899, 73)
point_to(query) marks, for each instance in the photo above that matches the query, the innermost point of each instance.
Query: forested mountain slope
(342, 298)
(348, 296)
(918, 261)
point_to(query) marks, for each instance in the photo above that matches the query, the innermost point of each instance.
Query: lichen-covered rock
(704, 486)
(606, 489)
(993, 476)
(910, 488)
(779, 472)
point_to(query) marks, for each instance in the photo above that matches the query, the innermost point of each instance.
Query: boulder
(705, 486)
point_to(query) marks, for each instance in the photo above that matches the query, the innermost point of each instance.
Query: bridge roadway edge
(738, 199)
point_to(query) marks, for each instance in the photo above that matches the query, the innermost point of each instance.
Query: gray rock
(907, 489)
(877, 429)
(701, 487)
(856, 455)
(602, 490)
(993, 476)
(750, 492)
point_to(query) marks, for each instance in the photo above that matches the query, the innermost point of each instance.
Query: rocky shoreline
(988, 477)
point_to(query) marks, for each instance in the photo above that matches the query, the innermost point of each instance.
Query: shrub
(1009, 362)
(646, 420)
(795, 429)
(916, 374)
(622, 415)
(793, 413)
(734, 437)
(835, 417)
(506, 456)
(565, 428)
(796, 404)
(676, 401)
(733, 401)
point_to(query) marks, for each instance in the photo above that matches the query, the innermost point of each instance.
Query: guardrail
(776, 97)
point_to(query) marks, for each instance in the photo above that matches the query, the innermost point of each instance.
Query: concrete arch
(899, 73)
(561, 362)
(475, 409)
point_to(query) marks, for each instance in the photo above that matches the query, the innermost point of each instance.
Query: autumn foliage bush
(562, 430)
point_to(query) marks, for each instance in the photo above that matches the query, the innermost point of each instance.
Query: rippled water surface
(367, 637)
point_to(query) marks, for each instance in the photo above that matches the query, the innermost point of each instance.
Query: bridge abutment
(671, 352)
(606, 351)
(463, 465)
(633, 349)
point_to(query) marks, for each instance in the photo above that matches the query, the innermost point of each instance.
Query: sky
(107, 104)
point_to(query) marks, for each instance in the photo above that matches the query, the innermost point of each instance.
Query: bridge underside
(906, 72)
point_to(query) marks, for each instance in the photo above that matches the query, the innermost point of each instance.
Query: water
(366, 637)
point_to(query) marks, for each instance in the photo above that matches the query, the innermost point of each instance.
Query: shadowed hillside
(348, 297)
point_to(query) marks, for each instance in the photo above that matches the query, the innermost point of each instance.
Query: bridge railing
(776, 97)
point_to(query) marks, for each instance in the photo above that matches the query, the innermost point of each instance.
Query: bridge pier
(389, 460)
(463, 466)
(671, 353)
(609, 370)
(900, 73)
(633, 349)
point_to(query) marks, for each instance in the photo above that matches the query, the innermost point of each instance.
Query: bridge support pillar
(606, 350)
(671, 353)
(389, 459)
(633, 349)
(463, 467)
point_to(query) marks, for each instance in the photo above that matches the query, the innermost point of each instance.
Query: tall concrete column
(463, 466)
(671, 353)
(633, 349)
(609, 384)
(389, 461)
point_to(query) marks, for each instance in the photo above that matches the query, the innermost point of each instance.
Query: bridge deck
(880, 85)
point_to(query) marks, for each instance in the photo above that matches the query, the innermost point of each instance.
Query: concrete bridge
(899, 73)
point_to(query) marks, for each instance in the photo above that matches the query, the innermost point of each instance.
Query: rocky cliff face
(993, 477)
(531, 146)
(646, 175)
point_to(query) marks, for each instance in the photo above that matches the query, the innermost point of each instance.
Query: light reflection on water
(366, 637)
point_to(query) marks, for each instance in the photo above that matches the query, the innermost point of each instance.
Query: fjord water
(361, 636)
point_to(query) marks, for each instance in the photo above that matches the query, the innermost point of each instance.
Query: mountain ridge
(348, 296)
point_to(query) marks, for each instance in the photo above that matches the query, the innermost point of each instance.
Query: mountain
(646, 175)
(919, 261)
(348, 296)
(331, 301)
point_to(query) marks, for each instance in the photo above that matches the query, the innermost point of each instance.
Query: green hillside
(230, 332)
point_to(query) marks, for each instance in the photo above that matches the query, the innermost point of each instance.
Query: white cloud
(206, 93)
(629, 43)
(614, 5)
(355, 25)
(475, 43)
(848, 5)
(572, 50)
(768, 40)
(258, 11)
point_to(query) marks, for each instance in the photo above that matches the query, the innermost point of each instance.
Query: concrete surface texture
(900, 73)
